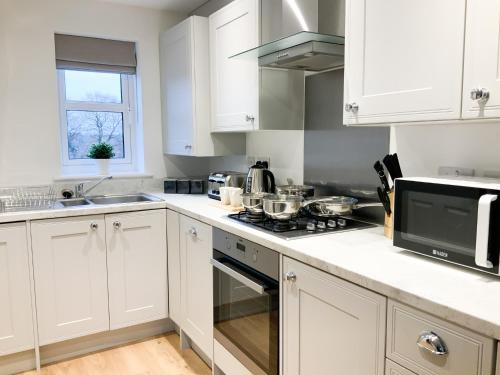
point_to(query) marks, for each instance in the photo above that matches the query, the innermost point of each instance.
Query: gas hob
(301, 226)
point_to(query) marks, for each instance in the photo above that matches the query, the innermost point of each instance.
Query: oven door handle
(483, 230)
(238, 276)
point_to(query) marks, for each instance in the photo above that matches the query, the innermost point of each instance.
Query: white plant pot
(102, 166)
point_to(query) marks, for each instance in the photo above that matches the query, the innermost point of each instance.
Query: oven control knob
(228, 245)
(331, 223)
(321, 225)
(311, 227)
(254, 257)
(342, 223)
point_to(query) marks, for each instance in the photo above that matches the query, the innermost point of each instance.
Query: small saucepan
(336, 206)
(252, 202)
(302, 190)
(282, 206)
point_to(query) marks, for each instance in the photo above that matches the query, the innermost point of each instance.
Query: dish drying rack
(27, 198)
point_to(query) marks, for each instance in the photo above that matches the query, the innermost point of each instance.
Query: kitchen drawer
(468, 353)
(392, 368)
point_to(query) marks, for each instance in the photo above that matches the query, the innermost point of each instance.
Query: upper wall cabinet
(404, 59)
(481, 89)
(235, 82)
(185, 82)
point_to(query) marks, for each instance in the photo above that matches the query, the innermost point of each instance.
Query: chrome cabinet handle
(291, 276)
(351, 107)
(94, 226)
(188, 147)
(432, 343)
(117, 225)
(250, 118)
(480, 95)
(192, 232)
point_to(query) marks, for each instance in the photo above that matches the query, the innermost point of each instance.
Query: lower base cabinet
(16, 319)
(137, 267)
(196, 282)
(392, 368)
(190, 278)
(96, 273)
(69, 259)
(330, 326)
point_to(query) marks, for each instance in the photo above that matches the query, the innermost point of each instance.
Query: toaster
(217, 180)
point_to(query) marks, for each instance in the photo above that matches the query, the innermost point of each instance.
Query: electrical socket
(455, 171)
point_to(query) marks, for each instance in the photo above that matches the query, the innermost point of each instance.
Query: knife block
(388, 221)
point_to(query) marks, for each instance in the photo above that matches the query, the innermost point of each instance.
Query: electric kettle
(259, 179)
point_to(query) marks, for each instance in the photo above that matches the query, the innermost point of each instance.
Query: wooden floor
(159, 355)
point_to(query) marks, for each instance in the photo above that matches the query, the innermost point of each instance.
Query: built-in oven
(246, 301)
(454, 220)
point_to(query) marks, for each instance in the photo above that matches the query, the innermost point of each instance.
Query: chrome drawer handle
(351, 107)
(94, 226)
(117, 225)
(432, 343)
(291, 276)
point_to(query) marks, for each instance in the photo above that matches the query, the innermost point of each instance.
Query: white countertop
(365, 257)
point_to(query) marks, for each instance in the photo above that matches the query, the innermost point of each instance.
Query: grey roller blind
(104, 55)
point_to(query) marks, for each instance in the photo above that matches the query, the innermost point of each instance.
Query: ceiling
(181, 6)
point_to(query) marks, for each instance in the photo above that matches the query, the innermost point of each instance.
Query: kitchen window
(97, 101)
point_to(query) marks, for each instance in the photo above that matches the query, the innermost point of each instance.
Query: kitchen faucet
(80, 193)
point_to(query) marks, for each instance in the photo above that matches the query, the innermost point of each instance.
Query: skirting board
(83, 345)
(18, 362)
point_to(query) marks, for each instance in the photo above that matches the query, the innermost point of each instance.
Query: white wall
(29, 122)
(422, 149)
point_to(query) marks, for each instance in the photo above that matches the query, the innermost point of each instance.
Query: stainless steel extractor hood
(300, 34)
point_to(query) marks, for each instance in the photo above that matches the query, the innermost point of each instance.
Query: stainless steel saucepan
(302, 190)
(336, 206)
(282, 207)
(252, 202)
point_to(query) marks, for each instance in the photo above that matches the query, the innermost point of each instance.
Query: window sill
(63, 178)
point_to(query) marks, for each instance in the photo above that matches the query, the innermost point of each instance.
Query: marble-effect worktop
(364, 257)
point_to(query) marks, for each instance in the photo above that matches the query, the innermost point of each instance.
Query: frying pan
(336, 206)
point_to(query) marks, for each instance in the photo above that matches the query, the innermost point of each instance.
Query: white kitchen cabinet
(174, 266)
(185, 83)
(137, 267)
(330, 326)
(234, 82)
(16, 319)
(69, 258)
(404, 58)
(196, 282)
(392, 368)
(481, 62)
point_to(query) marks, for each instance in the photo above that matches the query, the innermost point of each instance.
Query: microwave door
(483, 230)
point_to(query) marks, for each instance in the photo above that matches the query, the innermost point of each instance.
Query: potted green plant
(101, 153)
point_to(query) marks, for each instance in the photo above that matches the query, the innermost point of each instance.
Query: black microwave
(455, 220)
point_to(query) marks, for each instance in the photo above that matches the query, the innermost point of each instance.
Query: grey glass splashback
(338, 160)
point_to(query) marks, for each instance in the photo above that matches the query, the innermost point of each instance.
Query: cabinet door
(196, 282)
(235, 82)
(174, 266)
(69, 257)
(331, 326)
(177, 88)
(481, 62)
(16, 319)
(403, 60)
(137, 267)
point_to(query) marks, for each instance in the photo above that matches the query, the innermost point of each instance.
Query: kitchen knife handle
(381, 174)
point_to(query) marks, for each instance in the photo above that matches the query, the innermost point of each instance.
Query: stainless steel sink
(73, 202)
(116, 199)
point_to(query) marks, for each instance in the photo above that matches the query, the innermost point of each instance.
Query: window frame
(127, 107)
